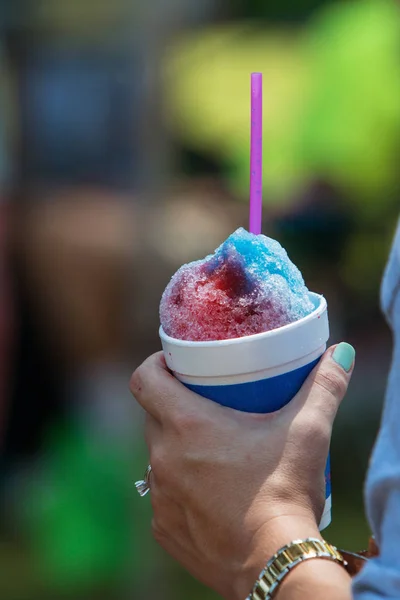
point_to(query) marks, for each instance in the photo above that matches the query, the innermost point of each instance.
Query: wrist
(274, 535)
(317, 579)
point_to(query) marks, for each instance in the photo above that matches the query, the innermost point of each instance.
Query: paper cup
(257, 373)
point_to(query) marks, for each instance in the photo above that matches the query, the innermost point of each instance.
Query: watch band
(286, 559)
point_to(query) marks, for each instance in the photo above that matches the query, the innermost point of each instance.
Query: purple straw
(256, 154)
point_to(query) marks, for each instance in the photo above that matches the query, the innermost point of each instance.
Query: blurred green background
(124, 152)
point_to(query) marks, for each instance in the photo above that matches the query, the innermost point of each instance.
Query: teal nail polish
(344, 355)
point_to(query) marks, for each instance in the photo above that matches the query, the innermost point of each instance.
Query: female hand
(229, 488)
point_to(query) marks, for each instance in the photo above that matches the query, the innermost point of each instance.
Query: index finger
(159, 392)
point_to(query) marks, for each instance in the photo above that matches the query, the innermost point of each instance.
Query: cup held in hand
(257, 373)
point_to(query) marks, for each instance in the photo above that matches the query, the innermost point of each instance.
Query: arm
(316, 579)
(380, 578)
(229, 488)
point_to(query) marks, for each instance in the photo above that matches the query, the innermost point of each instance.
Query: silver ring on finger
(143, 486)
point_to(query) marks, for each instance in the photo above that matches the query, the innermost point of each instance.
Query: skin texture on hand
(317, 580)
(229, 488)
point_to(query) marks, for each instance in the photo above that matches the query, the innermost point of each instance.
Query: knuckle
(156, 531)
(167, 463)
(332, 382)
(161, 519)
(156, 502)
(320, 432)
(160, 535)
(158, 463)
(311, 428)
(185, 422)
(136, 382)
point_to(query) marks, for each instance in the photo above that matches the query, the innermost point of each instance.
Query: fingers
(152, 431)
(154, 441)
(165, 398)
(160, 394)
(325, 387)
(154, 387)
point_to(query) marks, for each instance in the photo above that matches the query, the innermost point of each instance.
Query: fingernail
(344, 355)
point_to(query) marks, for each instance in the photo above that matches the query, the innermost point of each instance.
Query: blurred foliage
(351, 128)
(207, 78)
(80, 505)
(284, 11)
(79, 511)
(330, 101)
(361, 269)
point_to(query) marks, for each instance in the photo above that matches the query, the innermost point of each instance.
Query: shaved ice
(248, 286)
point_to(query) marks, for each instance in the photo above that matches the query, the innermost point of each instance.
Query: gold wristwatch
(286, 559)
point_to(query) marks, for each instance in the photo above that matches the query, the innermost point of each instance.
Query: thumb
(325, 387)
